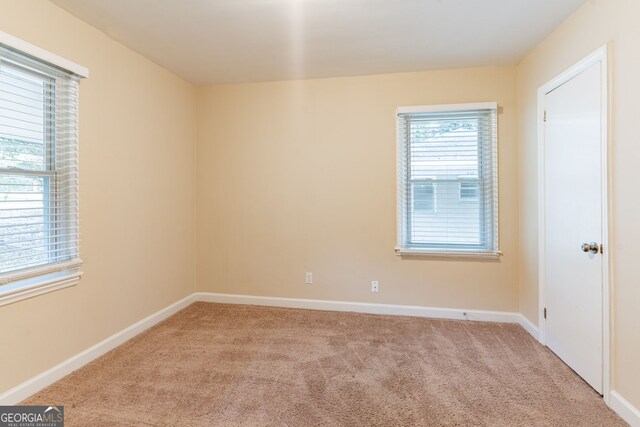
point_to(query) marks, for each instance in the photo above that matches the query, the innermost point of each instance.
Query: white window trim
(37, 281)
(28, 283)
(435, 253)
(43, 55)
(406, 252)
(448, 107)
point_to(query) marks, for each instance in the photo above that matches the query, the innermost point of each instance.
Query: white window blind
(38, 168)
(448, 180)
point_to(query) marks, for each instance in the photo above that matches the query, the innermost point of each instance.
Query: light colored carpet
(216, 364)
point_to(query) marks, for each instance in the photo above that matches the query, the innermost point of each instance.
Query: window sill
(426, 253)
(30, 287)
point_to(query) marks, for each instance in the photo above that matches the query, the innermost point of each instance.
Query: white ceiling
(228, 41)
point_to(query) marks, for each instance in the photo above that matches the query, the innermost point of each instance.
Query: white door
(573, 204)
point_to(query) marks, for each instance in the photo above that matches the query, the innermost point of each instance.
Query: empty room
(319, 212)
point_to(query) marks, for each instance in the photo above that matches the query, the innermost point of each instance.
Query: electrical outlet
(308, 278)
(374, 286)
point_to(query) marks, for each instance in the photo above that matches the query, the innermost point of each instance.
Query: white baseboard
(529, 326)
(361, 307)
(626, 410)
(37, 383)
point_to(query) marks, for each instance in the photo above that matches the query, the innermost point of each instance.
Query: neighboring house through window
(469, 192)
(424, 197)
(447, 175)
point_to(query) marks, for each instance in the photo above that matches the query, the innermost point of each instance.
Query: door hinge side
(544, 312)
(545, 116)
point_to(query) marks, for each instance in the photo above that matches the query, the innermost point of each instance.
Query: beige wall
(301, 176)
(598, 22)
(137, 134)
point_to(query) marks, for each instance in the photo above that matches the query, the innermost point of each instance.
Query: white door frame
(599, 55)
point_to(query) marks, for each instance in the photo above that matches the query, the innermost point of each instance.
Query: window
(38, 173)
(469, 191)
(447, 175)
(424, 198)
